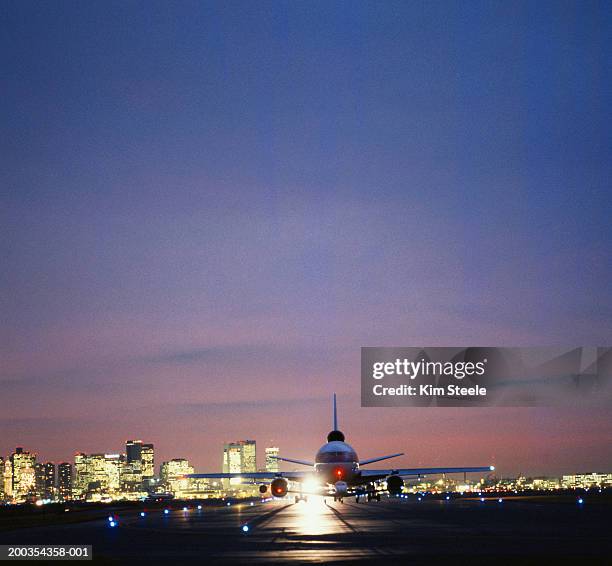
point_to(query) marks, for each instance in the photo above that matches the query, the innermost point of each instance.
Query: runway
(318, 531)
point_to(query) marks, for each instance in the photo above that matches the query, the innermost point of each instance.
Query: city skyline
(208, 209)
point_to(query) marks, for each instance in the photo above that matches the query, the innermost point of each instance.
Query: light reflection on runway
(313, 517)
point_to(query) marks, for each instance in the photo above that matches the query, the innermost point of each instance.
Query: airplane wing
(291, 476)
(372, 474)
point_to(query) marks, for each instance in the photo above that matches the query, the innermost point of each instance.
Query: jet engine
(394, 484)
(263, 488)
(279, 487)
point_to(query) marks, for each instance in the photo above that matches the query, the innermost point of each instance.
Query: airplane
(337, 468)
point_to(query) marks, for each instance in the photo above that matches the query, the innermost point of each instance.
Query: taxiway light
(491, 468)
(447, 497)
(245, 528)
(110, 517)
(166, 511)
(185, 509)
(251, 504)
(228, 503)
(112, 523)
(581, 500)
(482, 499)
(500, 500)
(142, 513)
(419, 499)
(199, 507)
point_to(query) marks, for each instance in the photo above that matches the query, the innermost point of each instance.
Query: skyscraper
(272, 464)
(172, 476)
(64, 485)
(23, 471)
(100, 473)
(147, 454)
(133, 450)
(141, 462)
(239, 457)
(45, 480)
(7, 472)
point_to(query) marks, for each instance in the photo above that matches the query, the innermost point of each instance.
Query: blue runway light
(251, 504)
(184, 508)
(581, 500)
(166, 511)
(447, 497)
(482, 499)
(228, 503)
(110, 518)
(112, 523)
(142, 513)
(245, 528)
(199, 507)
(500, 500)
(419, 499)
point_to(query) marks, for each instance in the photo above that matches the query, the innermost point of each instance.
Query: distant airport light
(142, 513)
(447, 497)
(419, 499)
(581, 500)
(228, 503)
(112, 523)
(110, 517)
(245, 528)
(166, 511)
(251, 504)
(500, 500)
(491, 468)
(185, 509)
(482, 499)
(199, 507)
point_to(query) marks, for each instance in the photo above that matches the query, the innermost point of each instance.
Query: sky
(207, 208)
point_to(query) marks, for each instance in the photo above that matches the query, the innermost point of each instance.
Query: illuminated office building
(64, 483)
(99, 473)
(7, 477)
(238, 458)
(2, 496)
(141, 461)
(148, 464)
(172, 476)
(45, 480)
(272, 464)
(23, 472)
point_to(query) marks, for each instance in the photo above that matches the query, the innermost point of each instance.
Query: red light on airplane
(339, 473)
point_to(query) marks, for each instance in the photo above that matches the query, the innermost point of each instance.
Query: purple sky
(207, 209)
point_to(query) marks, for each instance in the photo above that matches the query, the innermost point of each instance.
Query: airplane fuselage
(336, 464)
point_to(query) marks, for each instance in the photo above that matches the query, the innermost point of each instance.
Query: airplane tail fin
(335, 423)
(335, 434)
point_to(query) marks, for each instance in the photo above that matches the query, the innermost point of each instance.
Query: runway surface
(324, 532)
